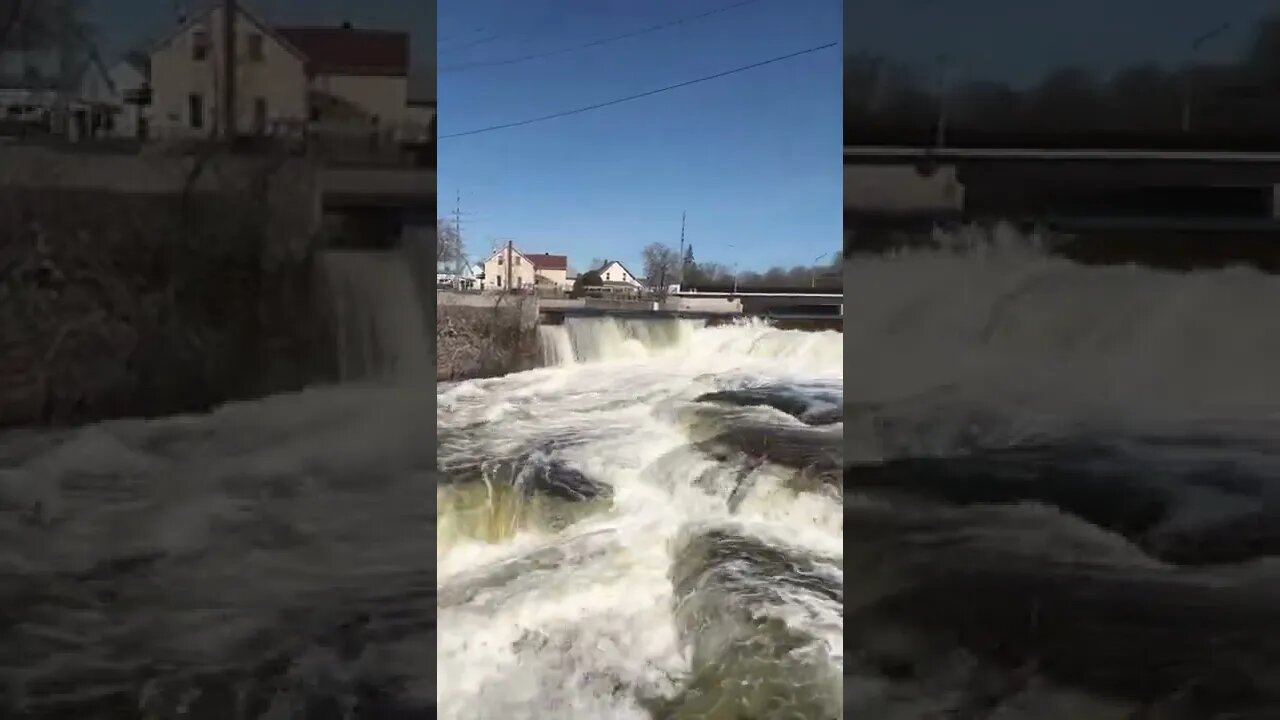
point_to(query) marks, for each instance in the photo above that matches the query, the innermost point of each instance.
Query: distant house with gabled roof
(355, 75)
(286, 78)
(551, 270)
(513, 269)
(618, 279)
(187, 77)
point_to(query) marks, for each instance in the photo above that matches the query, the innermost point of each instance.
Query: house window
(517, 259)
(195, 110)
(499, 282)
(499, 259)
(608, 276)
(255, 47)
(199, 45)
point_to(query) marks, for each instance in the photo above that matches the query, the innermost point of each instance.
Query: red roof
(348, 51)
(543, 261)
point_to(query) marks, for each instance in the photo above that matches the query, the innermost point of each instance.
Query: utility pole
(229, 69)
(458, 218)
(509, 249)
(1188, 90)
(940, 130)
(680, 280)
(457, 213)
(457, 230)
(66, 51)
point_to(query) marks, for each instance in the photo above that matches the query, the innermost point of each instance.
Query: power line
(553, 14)
(637, 96)
(597, 43)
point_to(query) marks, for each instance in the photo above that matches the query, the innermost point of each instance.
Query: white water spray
(593, 633)
(378, 317)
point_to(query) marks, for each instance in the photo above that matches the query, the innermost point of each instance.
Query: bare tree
(661, 264)
(449, 250)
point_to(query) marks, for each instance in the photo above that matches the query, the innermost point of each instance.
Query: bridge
(801, 308)
(1229, 195)
(1200, 188)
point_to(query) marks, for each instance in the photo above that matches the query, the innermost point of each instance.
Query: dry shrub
(126, 304)
(476, 342)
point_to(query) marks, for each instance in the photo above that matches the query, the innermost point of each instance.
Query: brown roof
(349, 51)
(543, 261)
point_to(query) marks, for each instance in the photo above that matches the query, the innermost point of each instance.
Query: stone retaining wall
(476, 340)
(127, 303)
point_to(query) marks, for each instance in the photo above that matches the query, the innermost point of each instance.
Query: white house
(129, 78)
(618, 279)
(110, 102)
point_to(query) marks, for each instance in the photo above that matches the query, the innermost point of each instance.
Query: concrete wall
(121, 303)
(901, 189)
(279, 78)
(705, 305)
(386, 97)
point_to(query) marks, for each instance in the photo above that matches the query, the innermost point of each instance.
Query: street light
(813, 277)
(735, 269)
(1190, 77)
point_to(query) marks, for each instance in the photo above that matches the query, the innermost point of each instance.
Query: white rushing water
(265, 559)
(1058, 471)
(1006, 326)
(570, 609)
(378, 319)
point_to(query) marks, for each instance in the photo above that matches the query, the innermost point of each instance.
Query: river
(1063, 492)
(612, 538)
(648, 527)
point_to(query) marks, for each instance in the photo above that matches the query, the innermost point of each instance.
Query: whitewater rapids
(608, 548)
(1063, 487)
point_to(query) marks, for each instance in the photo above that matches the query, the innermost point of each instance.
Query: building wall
(495, 271)
(420, 114)
(386, 97)
(555, 277)
(126, 78)
(615, 272)
(901, 189)
(279, 78)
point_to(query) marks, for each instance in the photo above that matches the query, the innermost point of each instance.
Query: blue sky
(754, 158)
(1020, 40)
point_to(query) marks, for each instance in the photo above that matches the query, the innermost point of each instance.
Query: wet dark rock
(819, 451)
(824, 416)
(1119, 637)
(1137, 502)
(1032, 592)
(1232, 540)
(1112, 499)
(786, 400)
(536, 475)
(789, 403)
(557, 480)
(744, 661)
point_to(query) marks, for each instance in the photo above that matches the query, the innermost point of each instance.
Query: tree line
(665, 266)
(1241, 97)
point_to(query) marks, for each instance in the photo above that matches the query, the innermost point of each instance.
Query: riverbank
(487, 337)
(140, 304)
